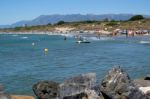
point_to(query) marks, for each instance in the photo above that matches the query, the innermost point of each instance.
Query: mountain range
(46, 19)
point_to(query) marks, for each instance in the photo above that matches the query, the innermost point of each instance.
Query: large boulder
(80, 87)
(77, 85)
(87, 94)
(46, 90)
(117, 85)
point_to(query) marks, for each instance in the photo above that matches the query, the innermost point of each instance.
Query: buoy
(46, 49)
(33, 44)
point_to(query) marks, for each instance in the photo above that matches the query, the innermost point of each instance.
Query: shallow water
(22, 64)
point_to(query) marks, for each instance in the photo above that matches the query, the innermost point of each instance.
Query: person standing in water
(65, 38)
(126, 32)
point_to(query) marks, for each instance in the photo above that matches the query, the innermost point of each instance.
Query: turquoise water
(22, 64)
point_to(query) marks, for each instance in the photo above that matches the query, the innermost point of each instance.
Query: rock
(148, 94)
(77, 85)
(145, 90)
(147, 77)
(144, 86)
(21, 97)
(117, 85)
(141, 83)
(46, 90)
(89, 80)
(77, 96)
(88, 94)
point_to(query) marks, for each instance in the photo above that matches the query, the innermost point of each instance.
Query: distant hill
(46, 19)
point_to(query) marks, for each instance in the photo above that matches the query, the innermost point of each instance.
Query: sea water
(23, 61)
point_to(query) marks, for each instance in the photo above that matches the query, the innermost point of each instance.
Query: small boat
(81, 40)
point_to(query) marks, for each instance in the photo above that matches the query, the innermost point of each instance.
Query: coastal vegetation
(136, 17)
(135, 23)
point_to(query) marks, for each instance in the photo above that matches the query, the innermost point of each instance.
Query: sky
(12, 11)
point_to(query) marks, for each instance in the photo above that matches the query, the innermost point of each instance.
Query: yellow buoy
(46, 49)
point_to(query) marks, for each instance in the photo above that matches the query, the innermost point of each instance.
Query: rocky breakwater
(115, 85)
(79, 87)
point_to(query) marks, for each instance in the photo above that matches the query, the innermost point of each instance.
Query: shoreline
(68, 33)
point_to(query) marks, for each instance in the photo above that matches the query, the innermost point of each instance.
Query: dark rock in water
(147, 77)
(117, 85)
(46, 90)
(77, 85)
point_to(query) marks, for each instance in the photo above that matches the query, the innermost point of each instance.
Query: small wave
(98, 39)
(24, 37)
(67, 35)
(92, 38)
(145, 42)
(15, 35)
(106, 38)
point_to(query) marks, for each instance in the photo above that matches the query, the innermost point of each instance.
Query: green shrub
(60, 23)
(136, 17)
(112, 23)
(17, 28)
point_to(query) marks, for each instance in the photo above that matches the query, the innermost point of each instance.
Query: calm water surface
(22, 64)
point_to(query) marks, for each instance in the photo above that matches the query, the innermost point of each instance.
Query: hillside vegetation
(135, 23)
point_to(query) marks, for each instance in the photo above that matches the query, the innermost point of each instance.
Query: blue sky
(16, 10)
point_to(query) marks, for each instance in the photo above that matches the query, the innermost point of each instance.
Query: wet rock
(46, 90)
(77, 85)
(117, 85)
